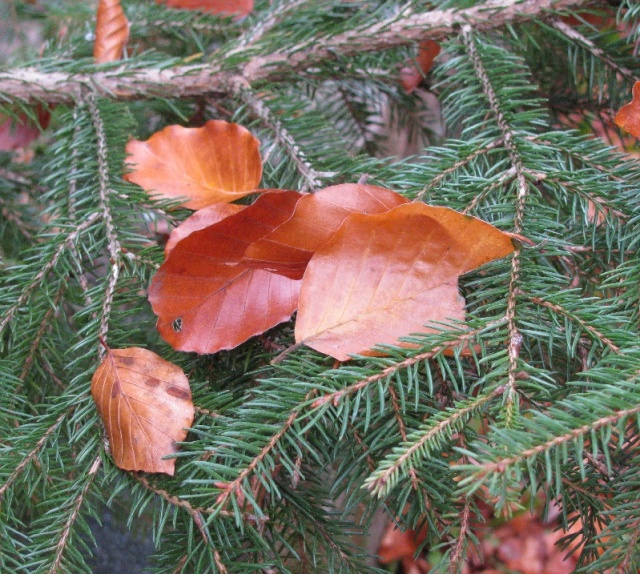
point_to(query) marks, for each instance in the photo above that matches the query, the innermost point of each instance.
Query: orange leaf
(19, 133)
(199, 220)
(317, 217)
(145, 404)
(217, 163)
(385, 276)
(112, 31)
(411, 76)
(240, 7)
(205, 300)
(628, 118)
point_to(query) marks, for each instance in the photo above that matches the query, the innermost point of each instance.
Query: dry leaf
(18, 133)
(240, 7)
(145, 404)
(317, 217)
(628, 118)
(199, 220)
(217, 163)
(411, 76)
(385, 276)
(205, 300)
(112, 31)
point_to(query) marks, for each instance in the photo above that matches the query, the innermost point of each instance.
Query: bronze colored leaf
(199, 220)
(145, 404)
(411, 76)
(112, 31)
(385, 276)
(317, 217)
(628, 118)
(20, 132)
(206, 300)
(239, 7)
(217, 163)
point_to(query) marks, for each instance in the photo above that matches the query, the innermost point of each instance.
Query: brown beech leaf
(199, 220)
(411, 76)
(112, 31)
(288, 249)
(206, 300)
(628, 118)
(217, 163)
(385, 276)
(20, 132)
(239, 7)
(145, 404)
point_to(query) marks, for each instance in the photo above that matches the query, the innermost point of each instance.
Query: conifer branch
(509, 140)
(589, 328)
(48, 266)
(259, 109)
(403, 432)
(336, 396)
(574, 36)
(61, 545)
(495, 144)
(458, 554)
(501, 465)
(113, 244)
(502, 181)
(32, 454)
(31, 85)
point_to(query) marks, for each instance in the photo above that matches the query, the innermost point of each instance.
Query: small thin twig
(457, 554)
(505, 178)
(403, 432)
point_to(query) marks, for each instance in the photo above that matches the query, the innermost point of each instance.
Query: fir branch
(589, 328)
(61, 545)
(48, 266)
(31, 85)
(458, 553)
(258, 108)
(32, 454)
(574, 36)
(113, 244)
(509, 140)
(336, 396)
(485, 149)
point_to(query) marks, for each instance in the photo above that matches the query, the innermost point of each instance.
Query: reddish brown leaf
(199, 220)
(317, 217)
(385, 276)
(240, 7)
(217, 163)
(628, 118)
(145, 404)
(112, 31)
(411, 76)
(205, 300)
(18, 133)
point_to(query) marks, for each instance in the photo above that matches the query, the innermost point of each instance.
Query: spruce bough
(286, 461)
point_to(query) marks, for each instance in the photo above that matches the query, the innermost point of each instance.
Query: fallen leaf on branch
(16, 133)
(206, 300)
(411, 76)
(200, 220)
(385, 276)
(112, 31)
(222, 7)
(145, 405)
(317, 217)
(217, 163)
(628, 118)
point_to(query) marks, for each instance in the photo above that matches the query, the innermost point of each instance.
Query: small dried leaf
(222, 7)
(217, 163)
(206, 300)
(288, 249)
(19, 133)
(385, 276)
(112, 31)
(200, 220)
(411, 76)
(628, 118)
(145, 404)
